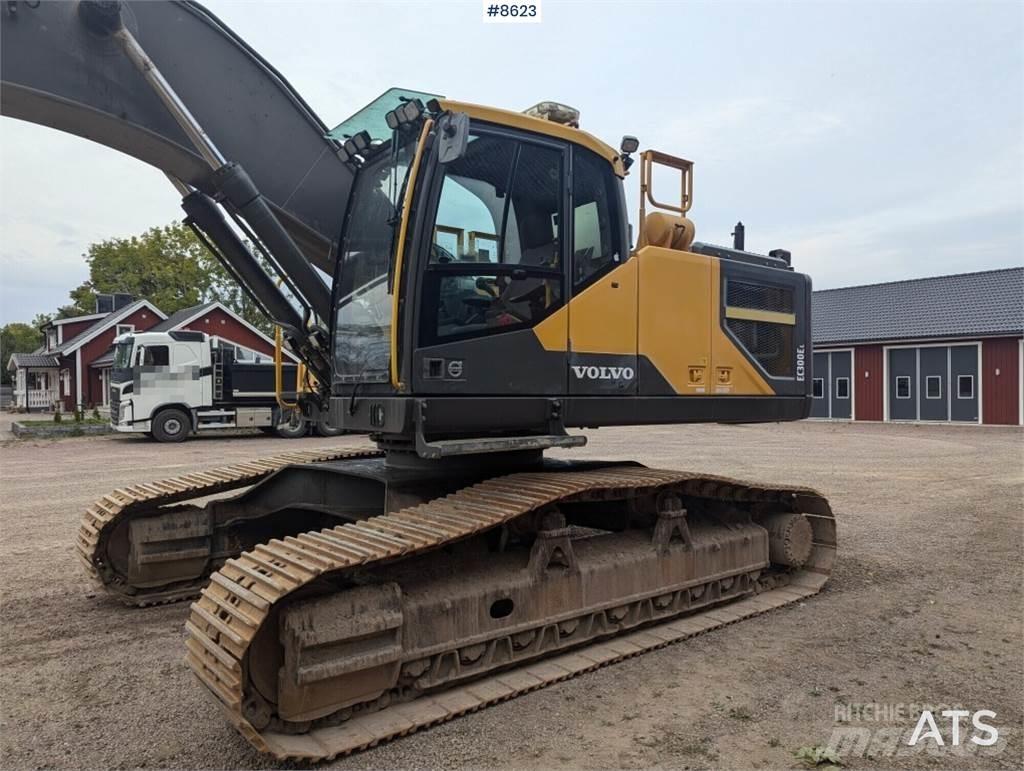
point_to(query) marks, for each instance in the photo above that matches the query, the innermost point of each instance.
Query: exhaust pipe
(738, 237)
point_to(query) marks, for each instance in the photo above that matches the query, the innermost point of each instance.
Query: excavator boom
(60, 68)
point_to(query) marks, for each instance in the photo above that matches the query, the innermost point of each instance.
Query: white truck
(170, 385)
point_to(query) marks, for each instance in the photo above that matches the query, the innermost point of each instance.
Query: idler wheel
(790, 539)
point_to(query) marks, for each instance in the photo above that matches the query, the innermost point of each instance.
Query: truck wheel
(323, 428)
(171, 426)
(292, 425)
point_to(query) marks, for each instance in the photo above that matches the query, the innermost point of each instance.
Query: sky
(875, 141)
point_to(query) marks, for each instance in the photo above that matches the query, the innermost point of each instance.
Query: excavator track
(261, 595)
(140, 500)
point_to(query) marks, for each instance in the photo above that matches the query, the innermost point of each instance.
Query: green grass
(65, 422)
(818, 757)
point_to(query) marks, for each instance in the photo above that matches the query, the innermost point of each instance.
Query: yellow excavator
(463, 286)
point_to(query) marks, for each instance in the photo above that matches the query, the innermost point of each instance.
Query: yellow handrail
(400, 250)
(279, 373)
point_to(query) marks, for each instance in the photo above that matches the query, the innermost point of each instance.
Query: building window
(933, 387)
(965, 386)
(243, 354)
(249, 355)
(123, 329)
(65, 382)
(842, 388)
(51, 339)
(903, 387)
(818, 387)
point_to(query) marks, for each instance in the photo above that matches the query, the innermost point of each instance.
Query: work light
(357, 144)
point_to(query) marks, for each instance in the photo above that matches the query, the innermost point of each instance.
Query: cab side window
(534, 207)
(596, 243)
(156, 356)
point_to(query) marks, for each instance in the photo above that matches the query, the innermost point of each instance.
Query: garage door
(819, 387)
(832, 385)
(903, 384)
(933, 383)
(964, 385)
(933, 386)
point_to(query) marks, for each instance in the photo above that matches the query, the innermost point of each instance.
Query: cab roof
(538, 126)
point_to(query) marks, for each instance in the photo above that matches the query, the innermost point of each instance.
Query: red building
(942, 349)
(73, 367)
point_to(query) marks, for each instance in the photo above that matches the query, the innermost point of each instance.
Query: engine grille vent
(742, 294)
(770, 344)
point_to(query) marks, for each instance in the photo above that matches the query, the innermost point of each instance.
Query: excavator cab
(491, 293)
(454, 267)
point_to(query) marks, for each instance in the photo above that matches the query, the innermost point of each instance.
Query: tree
(162, 265)
(167, 266)
(17, 338)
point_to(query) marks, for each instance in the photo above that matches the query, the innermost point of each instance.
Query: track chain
(100, 519)
(240, 596)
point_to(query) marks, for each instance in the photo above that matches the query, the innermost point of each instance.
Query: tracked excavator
(462, 284)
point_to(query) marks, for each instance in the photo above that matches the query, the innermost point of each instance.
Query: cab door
(491, 315)
(603, 311)
(186, 366)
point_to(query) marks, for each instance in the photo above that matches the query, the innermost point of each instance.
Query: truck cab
(154, 371)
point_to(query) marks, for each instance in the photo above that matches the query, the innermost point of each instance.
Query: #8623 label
(511, 13)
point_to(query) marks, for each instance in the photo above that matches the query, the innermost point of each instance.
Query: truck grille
(115, 406)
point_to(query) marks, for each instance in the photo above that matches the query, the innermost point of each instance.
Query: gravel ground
(925, 607)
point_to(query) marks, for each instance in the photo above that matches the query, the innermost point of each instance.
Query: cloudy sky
(876, 141)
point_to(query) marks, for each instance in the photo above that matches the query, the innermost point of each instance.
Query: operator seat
(538, 243)
(668, 231)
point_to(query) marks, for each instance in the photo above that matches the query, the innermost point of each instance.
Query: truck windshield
(121, 372)
(362, 329)
(123, 354)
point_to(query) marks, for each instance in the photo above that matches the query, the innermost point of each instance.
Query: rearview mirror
(452, 136)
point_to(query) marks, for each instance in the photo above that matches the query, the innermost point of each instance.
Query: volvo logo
(602, 373)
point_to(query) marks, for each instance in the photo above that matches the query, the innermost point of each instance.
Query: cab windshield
(121, 370)
(123, 354)
(362, 331)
